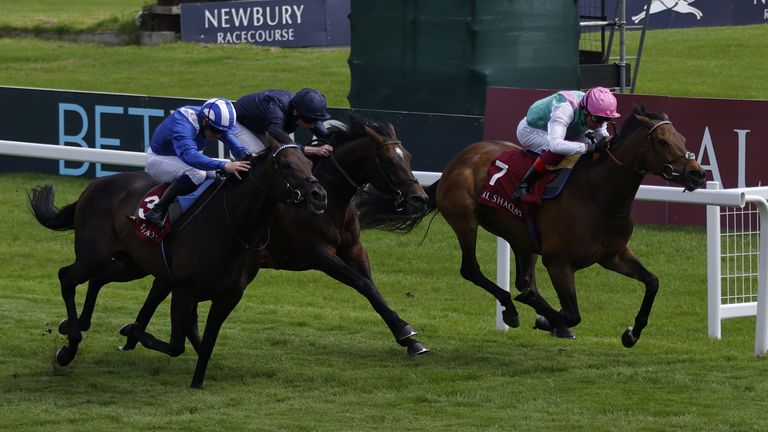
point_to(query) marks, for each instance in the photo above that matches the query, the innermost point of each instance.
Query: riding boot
(526, 184)
(181, 186)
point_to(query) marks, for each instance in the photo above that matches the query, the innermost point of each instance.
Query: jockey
(565, 123)
(280, 113)
(175, 153)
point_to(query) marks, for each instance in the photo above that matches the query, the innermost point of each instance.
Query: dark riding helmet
(310, 104)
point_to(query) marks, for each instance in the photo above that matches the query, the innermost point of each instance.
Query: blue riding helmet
(310, 104)
(220, 114)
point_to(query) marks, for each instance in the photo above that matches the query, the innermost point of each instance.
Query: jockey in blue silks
(175, 154)
(279, 113)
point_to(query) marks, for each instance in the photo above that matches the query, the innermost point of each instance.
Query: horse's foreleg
(133, 332)
(626, 263)
(221, 307)
(354, 270)
(525, 271)
(183, 306)
(550, 319)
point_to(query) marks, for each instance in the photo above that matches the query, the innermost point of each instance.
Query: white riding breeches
(531, 138)
(166, 169)
(255, 143)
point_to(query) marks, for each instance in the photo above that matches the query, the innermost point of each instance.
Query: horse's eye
(663, 142)
(285, 165)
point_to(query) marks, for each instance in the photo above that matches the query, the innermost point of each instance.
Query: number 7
(503, 171)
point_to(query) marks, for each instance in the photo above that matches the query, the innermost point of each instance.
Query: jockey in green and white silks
(559, 125)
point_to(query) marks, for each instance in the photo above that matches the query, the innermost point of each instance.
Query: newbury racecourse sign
(285, 23)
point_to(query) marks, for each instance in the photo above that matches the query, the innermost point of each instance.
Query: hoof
(64, 327)
(564, 333)
(628, 339)
(542, 324)
(416, 348)
(63, 358)
(511, 319)
(404, 333)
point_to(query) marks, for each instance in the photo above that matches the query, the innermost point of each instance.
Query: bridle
(294, 197)
(666, 169)
(397, 193)
(294, 194)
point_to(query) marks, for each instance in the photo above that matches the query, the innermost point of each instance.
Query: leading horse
(589, 222)
(208, 260)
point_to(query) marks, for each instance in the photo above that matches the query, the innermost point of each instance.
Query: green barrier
(440, 55)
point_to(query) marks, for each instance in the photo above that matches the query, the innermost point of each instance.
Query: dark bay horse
(208, 254)
(365, 152)
(589, 222)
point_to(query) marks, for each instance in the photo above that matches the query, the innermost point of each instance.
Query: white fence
(746, 244)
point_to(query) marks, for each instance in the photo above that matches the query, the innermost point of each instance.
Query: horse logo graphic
(680, 6)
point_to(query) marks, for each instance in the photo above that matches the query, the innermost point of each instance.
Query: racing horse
(589, 222)
(365, 152)
(208, 256)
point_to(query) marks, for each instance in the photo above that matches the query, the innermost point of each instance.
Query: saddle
(149, 231)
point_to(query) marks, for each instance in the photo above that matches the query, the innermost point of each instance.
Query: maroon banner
(729, 137)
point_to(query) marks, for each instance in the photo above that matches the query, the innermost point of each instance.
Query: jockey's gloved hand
(597, 145)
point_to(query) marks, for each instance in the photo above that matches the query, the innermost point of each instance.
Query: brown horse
(589, 222)
(365, 152)
(208, 254)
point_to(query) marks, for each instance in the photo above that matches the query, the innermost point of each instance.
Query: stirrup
(522, 189)
(155, 218)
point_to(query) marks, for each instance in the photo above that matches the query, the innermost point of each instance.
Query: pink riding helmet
(600, 102)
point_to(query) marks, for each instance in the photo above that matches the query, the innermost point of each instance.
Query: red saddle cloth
(148, 230)
(504, 174)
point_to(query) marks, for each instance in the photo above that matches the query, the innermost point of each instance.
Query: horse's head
(389, 166)
(666, 155)
(292, 182)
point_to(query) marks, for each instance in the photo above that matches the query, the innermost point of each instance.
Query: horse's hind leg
(70, 277)
(466, 233)
(115, 271)
(626, 263)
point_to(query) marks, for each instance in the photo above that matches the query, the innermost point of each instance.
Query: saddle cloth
(505, 173)
(149, 231)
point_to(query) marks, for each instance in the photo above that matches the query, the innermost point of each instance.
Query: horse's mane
(354, 128)
(632, 123)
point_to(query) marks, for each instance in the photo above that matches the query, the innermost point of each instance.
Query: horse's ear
(356, 123)
(391, 128)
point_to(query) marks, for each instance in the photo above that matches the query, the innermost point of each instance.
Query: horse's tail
(40, 200)
(376, 210)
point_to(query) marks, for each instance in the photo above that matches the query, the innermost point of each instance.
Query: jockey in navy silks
(175, 154)
(280, 113)
(565, 123)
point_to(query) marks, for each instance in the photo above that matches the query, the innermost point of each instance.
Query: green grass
(304, 353)
(68, 15)
(719, 62)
